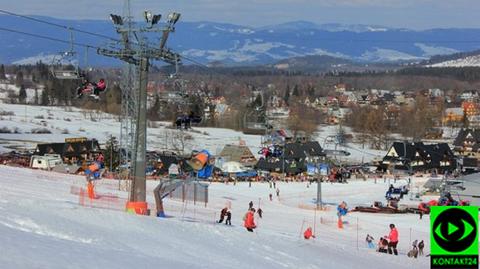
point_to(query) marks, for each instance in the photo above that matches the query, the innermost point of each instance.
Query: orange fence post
(90, 190)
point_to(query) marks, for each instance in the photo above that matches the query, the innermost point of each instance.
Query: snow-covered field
(43, 226)
(65, 122)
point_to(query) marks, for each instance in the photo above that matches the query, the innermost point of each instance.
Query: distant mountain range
(235, 45)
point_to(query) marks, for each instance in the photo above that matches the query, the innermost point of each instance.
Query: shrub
(5, 130)
(7, 113)
(41, 131)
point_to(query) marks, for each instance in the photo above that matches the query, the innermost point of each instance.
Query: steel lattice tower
(135, 50)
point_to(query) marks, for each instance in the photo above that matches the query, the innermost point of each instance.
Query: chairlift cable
(48, 38)
(57, 25)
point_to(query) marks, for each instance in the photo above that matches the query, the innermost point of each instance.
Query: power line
(70, 29)
(195, 62)
(57, 25)
(48, 38)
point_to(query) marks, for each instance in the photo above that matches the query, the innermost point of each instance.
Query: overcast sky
(414, 14)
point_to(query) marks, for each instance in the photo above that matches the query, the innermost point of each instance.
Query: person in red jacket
(393, 240)
(100, 86)
(249, 221)
(308, 233)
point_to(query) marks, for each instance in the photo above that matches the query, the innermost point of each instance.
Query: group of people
(92, 88)
(417, 249)
(185, 121)
(226, 213)
(392, 190)
(388, 244)
(93, 170)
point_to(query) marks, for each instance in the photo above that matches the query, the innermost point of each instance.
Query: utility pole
(135, 50)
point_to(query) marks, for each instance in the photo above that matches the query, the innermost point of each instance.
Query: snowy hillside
(462, 62)
(64, 122)
(43, 226)
(23, 121)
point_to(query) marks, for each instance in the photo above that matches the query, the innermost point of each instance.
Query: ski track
(42, 226)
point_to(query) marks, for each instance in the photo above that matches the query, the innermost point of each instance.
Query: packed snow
(42, 225)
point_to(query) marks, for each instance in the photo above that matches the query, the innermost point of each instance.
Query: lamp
(148, 16)
(173, 17)
(116, 19)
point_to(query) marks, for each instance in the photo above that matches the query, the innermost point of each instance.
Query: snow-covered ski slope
(43, 226)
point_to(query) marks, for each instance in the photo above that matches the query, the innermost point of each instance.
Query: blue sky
(414, 14)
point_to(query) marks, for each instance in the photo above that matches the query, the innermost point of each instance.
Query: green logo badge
(454, 236)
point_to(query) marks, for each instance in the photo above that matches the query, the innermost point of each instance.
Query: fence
(192, 191)
(99, 200)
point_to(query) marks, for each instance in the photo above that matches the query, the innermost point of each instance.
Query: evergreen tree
(45, 98)
(36, 99)
(111, 153)
(19, 79)
(2, 72)
(296, 91)
(286, 97)
(311, 90)
(258, 101)
(22, 95)
(152, 112)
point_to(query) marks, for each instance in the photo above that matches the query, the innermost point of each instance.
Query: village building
(467, 143)
(295, 158)
(419, 157)
(73, 150)
(453, 116)
(238, 153)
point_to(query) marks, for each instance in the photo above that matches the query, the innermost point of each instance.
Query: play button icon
(454, 230)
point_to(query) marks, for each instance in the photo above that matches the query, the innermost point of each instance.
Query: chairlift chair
(64, 66)
(61, 66)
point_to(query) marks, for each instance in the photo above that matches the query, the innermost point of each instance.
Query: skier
(369, 241)
(249, 220)
(278, 192)
(250, 205)
(389, 193)
(101, 159)
(308, 233)
(414, 251)
(260, 212)
(228, 221)
(222, 214)
(382, 245)
(393, 237)
(421, 245)
(270, 196)
(342, 210)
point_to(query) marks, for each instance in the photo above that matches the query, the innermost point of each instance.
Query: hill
(241, 45)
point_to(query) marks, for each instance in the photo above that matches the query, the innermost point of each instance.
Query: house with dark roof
(72, 150)
(420, 157)
(467, 143)
(294, 159)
